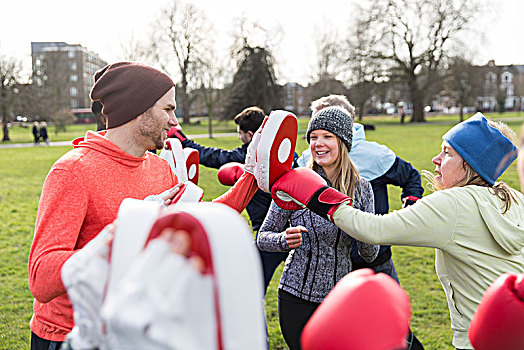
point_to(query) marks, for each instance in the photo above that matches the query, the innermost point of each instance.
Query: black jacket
(401, 174)
(213, 157)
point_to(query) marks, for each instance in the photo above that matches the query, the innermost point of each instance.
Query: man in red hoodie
(139, 103)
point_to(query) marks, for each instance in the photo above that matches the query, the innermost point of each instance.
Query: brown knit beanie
(128, 89)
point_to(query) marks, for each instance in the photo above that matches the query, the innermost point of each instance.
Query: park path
(230, 134)
(68, 143)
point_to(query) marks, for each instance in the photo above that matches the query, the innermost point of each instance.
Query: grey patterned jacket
(314, 268)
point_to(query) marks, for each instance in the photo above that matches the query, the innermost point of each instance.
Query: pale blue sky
(106, 23)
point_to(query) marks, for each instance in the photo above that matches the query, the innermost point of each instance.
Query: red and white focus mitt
(164, 303)
(192, 162)
(498, 322)
(275, 149)
(304, 188)
(364, 311)
(229, 173)
(183, 163)
(85, 275)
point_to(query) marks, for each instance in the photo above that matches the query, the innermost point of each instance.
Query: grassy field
(23, 171)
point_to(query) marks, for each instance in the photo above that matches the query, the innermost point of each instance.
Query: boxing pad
(303, 187)
(133, 223)
(189, 193)
(274, 154)
(192, 161)
(174, 155)
(364, 311)
(166, 304)
(498, 322)
(84, 275)
(229, 173)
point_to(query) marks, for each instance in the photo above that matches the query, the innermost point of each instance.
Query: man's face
(245, 137)
(157, 120)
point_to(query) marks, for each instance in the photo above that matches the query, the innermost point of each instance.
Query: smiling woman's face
(324, 147)
(450, 169)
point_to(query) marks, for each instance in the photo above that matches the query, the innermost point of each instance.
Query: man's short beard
(146, 130)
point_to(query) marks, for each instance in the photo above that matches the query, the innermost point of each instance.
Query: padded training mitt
(364, 311)
(498, 322)
(274, 155)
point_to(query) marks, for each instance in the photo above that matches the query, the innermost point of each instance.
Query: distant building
(294, 99)
(65, 72)
(503, 88)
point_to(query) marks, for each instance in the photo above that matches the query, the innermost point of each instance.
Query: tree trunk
(5, 129)
(361, 112)
(184, 101)
(210, 126)
(461, 113)
(417, 100)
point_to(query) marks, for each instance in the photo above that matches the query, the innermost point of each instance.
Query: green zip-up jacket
(475, 243)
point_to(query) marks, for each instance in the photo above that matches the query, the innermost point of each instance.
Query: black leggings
(293, 314)
(38, 343)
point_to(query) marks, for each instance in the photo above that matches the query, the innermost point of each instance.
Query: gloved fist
(498, 322)
(176, 132)
(409, 200)
(229, 173)
(302, 187)
(363, 311)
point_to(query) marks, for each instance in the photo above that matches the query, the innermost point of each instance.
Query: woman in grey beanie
(319, 251)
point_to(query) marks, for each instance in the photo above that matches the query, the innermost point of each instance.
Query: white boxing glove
(84, 275)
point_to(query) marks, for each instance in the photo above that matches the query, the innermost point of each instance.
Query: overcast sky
(101, 26)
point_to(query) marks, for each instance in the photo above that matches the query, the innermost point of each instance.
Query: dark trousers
(38, 343)
(293, 314)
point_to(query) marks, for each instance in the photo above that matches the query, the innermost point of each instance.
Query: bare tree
(463, 83)
(134, 49)
(182, 34)
(414, 36)
(10, 70)
(212, 80)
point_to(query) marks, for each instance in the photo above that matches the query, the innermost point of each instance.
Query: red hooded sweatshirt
(80, 196)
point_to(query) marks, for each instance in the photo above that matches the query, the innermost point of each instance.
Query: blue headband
(482, 146)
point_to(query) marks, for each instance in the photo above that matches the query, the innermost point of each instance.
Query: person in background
(43, 133)
(36, 133)
(101, 120)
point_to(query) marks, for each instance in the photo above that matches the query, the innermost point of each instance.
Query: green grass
(23, 171)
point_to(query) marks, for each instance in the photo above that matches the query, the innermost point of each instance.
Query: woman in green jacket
(475, 223)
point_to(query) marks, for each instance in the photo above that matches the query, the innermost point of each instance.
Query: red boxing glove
(498, 322)
(409, 200)
(176, 132)
(302, 187)
(229, 173)
(363, 311)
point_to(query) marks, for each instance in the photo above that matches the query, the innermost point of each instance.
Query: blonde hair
(346, 175)
(500, 189)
